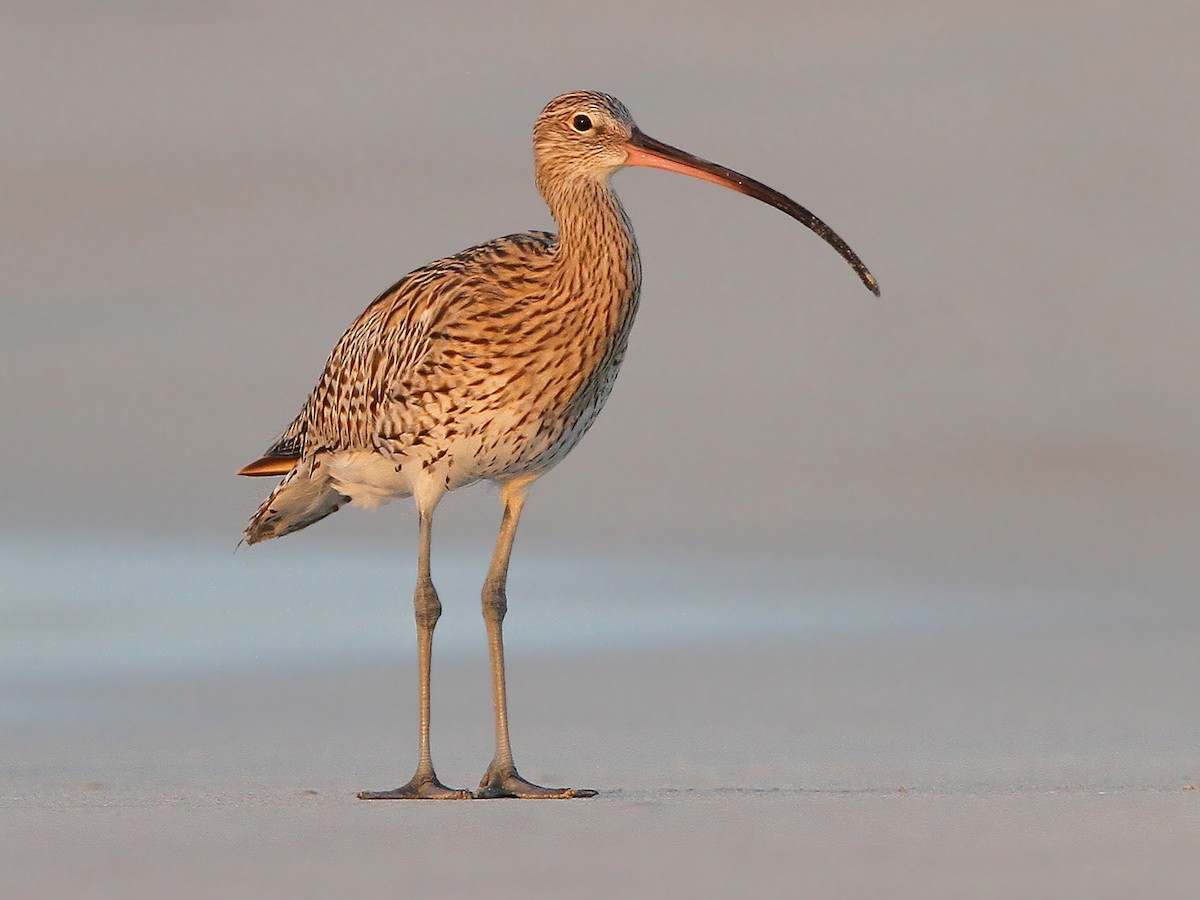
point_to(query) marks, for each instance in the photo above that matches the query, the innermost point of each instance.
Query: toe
(511, 784)
(418, 789)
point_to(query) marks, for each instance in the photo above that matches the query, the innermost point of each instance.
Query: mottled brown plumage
(487, 365)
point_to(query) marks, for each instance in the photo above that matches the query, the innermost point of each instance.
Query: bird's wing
(386, 345)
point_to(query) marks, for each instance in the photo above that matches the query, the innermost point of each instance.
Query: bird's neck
(591, 298)
(596, 262)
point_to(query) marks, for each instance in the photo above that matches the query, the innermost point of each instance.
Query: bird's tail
(304, 496)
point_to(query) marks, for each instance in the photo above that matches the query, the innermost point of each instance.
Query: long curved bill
(646, 151)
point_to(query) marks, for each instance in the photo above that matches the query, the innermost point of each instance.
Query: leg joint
(426, 604)
(495, 601)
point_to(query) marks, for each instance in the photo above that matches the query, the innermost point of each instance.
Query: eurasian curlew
(490, 364)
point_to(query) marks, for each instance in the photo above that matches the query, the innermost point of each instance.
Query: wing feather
(386, 345)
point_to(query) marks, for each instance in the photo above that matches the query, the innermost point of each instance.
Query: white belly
(371, 479)
(367, 478)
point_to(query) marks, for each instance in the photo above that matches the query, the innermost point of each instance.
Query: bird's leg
(424, 784)
(501, 779)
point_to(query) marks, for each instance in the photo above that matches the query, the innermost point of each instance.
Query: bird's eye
(582, 124)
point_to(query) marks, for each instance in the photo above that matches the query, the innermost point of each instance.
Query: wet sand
(1037, 762)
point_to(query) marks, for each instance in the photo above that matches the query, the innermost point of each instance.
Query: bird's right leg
(502, 778)
(424, 785)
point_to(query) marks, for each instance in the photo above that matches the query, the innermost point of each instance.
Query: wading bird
(488, 365)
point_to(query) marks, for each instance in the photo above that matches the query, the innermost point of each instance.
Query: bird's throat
(596, 263)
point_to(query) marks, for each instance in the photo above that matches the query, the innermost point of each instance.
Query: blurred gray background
(197, 199)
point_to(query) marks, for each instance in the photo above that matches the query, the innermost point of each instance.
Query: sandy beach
(1047, 761)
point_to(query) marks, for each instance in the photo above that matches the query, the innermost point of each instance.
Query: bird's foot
(505, 782)
(422, 787)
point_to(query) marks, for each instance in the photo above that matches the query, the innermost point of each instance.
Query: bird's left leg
(502, 779)
(424, 785)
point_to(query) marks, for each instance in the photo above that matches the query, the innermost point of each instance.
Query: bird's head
(585, 136)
